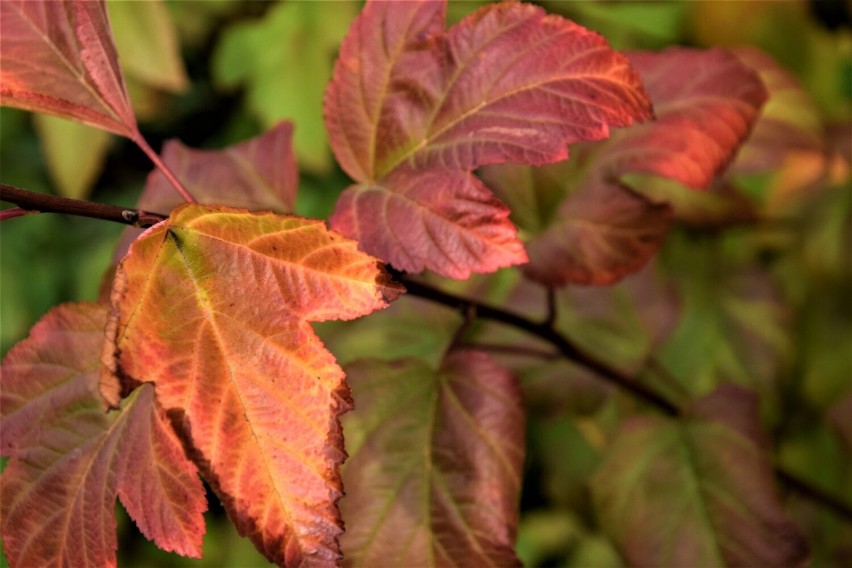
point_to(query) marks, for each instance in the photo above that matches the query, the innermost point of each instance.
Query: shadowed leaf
(703, 484)
(435, 468)
(605, 229)
(70, 459)
(508, 83)
(212, 306)
(58, 58)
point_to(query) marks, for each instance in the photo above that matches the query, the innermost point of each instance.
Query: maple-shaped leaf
(213, 306)
(604, 228)
(435, 466)
(507, 83)
(59, 58)
(70, 459)
(704, 482)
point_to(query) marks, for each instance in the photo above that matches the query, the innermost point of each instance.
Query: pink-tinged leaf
(436, 461)
(508, 83)
(70, 459)
(212, 306)
(704, 482)
(446, 220)
(58, 58)
(603, 230)
(259, 173)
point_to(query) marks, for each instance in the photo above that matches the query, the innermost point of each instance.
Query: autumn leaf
(69, 459)
(213, 306)
(59, 58)
(258, 173)
(704, 482)
(436, 455)
(607, 227)
(508, 83)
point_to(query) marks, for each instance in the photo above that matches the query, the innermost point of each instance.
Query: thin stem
(143, 144)
(14, 212)
(571, 352)
(568, 349)
(550, 319)
(34, 202)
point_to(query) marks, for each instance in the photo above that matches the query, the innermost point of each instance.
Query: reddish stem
(143, 144)
(14, 212)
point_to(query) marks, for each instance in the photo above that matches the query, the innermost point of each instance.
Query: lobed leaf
(508, 83)
(212, 306)
(434, 218)
(58, 58)
(70, 459)
(436, 461)
(703, 483)
(605, 229)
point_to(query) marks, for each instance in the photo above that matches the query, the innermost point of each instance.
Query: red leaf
(603, 230)
(70, 460)
(443, 219)
(258, 173)
(508, 83)
(58, 58)
(256, 394)
(436, 459)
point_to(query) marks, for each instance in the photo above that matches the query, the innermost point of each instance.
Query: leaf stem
(35, 202)
(14, 212)
(145, 147)
(568, 350)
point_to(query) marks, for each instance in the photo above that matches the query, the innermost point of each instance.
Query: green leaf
(697, 491)
(434, 473)
(147, 43)
(284, 61)
(74, 153)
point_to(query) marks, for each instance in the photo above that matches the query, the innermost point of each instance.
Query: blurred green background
(216, 72)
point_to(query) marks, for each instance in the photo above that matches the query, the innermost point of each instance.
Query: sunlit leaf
(605, 229)
(697, 491)
(212, 306)
(70, 460)
(507, 83)
(58, 58)
(434, 473)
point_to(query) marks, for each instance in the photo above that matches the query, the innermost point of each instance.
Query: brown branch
(570, 351)
(35, 202)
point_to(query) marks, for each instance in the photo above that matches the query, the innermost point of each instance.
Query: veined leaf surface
(508, 83)
(605, 229)
(58, 58)
(212, 306)
(436, 458)
(70, 459)
(704, 483)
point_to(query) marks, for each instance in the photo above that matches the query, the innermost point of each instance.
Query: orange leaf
(70, 460)
(212, 306)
